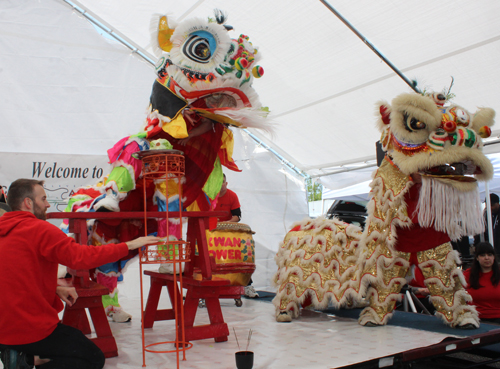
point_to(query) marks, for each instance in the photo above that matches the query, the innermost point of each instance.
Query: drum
(233, 247)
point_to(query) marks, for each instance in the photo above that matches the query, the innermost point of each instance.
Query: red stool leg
(152, 302)
(76, 317)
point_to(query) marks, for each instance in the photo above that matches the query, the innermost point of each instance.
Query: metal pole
(371, 46)
(488, 213)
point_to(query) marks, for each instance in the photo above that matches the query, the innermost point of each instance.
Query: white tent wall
(65, 88)
(321, 82)
(70, 94)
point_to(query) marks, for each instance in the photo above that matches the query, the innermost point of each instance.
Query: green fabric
(108, 300)
(214, 182)
(121, 176)
(72, 200)
(140, 135)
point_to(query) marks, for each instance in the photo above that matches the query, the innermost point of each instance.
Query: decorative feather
(220, 16)
(250, 118)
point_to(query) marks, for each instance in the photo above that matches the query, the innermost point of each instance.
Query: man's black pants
(67, 347)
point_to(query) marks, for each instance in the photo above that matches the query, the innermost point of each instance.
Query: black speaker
(380, 153)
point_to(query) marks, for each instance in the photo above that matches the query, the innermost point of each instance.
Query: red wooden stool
(90, 298)
(209, 290)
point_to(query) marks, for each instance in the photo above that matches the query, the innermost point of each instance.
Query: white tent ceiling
(321, 82)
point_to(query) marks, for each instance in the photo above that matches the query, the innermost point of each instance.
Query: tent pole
(371, 46)
(488, 213)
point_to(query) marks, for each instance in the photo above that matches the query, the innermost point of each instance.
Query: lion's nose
(463, 137)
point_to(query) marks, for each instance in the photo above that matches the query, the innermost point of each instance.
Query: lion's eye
(200, 46)
(413, 124)
(202, 50)
(416, 124)
(197, 49)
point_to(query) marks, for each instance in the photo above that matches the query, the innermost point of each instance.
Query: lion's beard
(443, 207)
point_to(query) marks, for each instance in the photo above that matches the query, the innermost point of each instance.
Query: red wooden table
(204, 287)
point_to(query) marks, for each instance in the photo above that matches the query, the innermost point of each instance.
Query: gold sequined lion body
(423, 195)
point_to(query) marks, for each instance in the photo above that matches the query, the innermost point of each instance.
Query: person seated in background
(3, 198)
(495, 218)
(4, 208)
(483, 279)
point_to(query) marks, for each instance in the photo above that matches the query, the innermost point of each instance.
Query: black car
(352, 212)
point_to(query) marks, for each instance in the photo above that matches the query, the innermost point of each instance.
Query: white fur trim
(449, 210)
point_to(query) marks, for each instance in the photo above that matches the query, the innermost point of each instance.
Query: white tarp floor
(315, 341)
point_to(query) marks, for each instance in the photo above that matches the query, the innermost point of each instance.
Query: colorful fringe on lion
(203, 86)
(423, 195)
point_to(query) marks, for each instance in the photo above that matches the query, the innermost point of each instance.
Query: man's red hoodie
(30, 251)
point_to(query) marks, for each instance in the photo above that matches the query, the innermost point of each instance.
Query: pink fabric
(124, 153)
(116, 150)
(110, 282)
(174, 229)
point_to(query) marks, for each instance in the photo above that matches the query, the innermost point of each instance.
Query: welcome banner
(63, 174)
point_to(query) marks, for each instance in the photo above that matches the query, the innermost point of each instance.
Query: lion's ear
(483, 117)
(482, 120)
(164, 34)
(385, 112)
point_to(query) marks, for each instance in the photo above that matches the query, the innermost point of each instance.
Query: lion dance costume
(423, 195)
(203, 86)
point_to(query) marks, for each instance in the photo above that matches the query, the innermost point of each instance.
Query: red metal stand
(164, 166)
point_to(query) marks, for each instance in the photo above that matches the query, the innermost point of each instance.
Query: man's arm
(205, 126)
(236, 215)
(142, 241)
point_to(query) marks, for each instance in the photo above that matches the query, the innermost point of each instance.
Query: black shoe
(467, 326)
(12, 359)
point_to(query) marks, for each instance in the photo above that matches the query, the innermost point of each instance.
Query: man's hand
(67, 294)
(183, 141)
(205, 126)
(234, 219)
(142, 241)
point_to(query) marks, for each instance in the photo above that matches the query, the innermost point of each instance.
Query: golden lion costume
(423, 195)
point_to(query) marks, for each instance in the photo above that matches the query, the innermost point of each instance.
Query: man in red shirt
(228, 201)
(30, 251)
